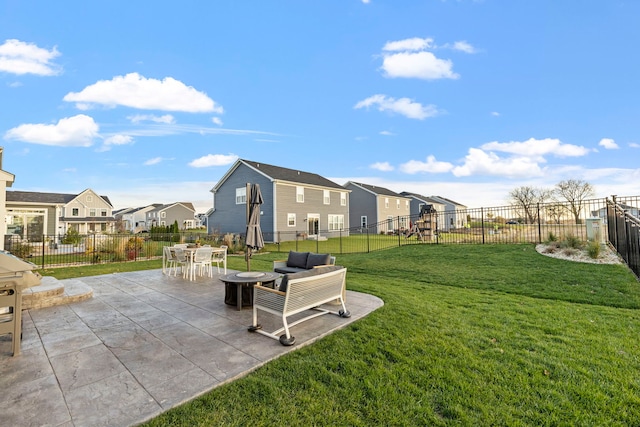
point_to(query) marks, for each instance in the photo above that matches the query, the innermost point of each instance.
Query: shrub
(593, 249)
(72, 237)
(20, 249)
(571, 241)
(552, 237)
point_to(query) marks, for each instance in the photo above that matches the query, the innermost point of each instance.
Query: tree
(575, 192)
(525, 200)
(556, 211)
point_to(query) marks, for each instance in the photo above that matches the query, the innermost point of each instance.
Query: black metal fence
(624, 227)
(596, 219)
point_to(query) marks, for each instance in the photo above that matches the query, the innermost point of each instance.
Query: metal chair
(220, 257)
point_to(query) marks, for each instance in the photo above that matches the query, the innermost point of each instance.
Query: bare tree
(575, 192)
(556, 211)
(525, 200)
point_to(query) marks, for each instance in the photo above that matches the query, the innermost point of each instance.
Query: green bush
(72, 237)
(593, 249)
(552, 237)
(573, 242)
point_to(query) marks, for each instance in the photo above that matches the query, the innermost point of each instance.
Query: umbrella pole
(248, 253)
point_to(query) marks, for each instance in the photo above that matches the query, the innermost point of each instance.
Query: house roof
(159, 207)
(448, 200)
(44, 198)
(420, 197)
(277, 173)
(381, 191)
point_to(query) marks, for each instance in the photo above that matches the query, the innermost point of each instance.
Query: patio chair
(181, 260)
(220, 257)
(169, 260)
(202, 261)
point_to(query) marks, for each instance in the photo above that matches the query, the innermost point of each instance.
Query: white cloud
(608, 144)
(403, 106)
(18, 57)
(495, 114)
(136, 91)
(15, 84)
(430, 166)
(386, 133)
(76, 131)
(419, 65)
(213, 160)
(366, 1)
(217, 121)
(537, 148)
(634, 145)
(119, 139)
(166, 118)
(479, 162)
(411, 44)
(382, 166)
(463, 46)
(153, 161)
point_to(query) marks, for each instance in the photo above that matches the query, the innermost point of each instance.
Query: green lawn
(468, 335)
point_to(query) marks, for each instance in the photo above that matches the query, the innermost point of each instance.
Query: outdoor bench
(299, 292)
(302, 261)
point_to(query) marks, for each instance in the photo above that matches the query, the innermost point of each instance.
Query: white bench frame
(302, 294)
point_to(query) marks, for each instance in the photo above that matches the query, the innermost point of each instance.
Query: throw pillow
(313, 272)
(297, 259)
(318, 259)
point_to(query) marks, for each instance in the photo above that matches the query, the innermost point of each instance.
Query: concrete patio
(143, 344)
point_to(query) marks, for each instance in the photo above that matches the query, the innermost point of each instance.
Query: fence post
(482, 222)
(44, 238)
(539, 224)
(340, 240)
(399, 231)
(368, 240)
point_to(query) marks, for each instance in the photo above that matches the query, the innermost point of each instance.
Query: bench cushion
(313, 260)
(306, 273)
(297, 259)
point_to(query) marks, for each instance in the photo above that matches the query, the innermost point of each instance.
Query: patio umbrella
(254, 239)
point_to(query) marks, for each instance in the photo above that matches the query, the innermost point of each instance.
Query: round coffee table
(246, 280)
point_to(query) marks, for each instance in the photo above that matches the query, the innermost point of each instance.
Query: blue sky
(151, 102)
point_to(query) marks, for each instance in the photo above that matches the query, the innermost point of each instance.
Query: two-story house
(455, 214)
(30, 215)
(384, 210)
(295, 203)
(163, 215)
(6, 180)
(134, 220)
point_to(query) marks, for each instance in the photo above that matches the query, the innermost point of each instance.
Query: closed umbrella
(254, 239)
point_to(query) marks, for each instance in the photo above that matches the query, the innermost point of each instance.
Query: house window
(386, 202)
(103, 212)
(336, 222)
(343, 199)
(163, 223)
(326, 197)
(406, 205)
(92, 212)
(103, 227)
(75, 212)
(300, 194)
(389, 223)
(363, 221)
(241, 195)
(291, 220)
(163, 214)
(403, 223)
(397, 204)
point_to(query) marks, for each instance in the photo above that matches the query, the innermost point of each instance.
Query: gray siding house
(164, 215)
(377, 206)
(135, 219)
(296, 204)
(455, 214)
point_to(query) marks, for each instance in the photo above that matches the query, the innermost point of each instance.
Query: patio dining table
(189, 252)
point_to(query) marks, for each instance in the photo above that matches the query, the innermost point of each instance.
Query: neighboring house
(602, 212)
(202, 218)
(31, 215)
(418, 201)
(295, 203)
(6, 180)
(135, 219)
(377, 206)
(164, 215)
(455, 214)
